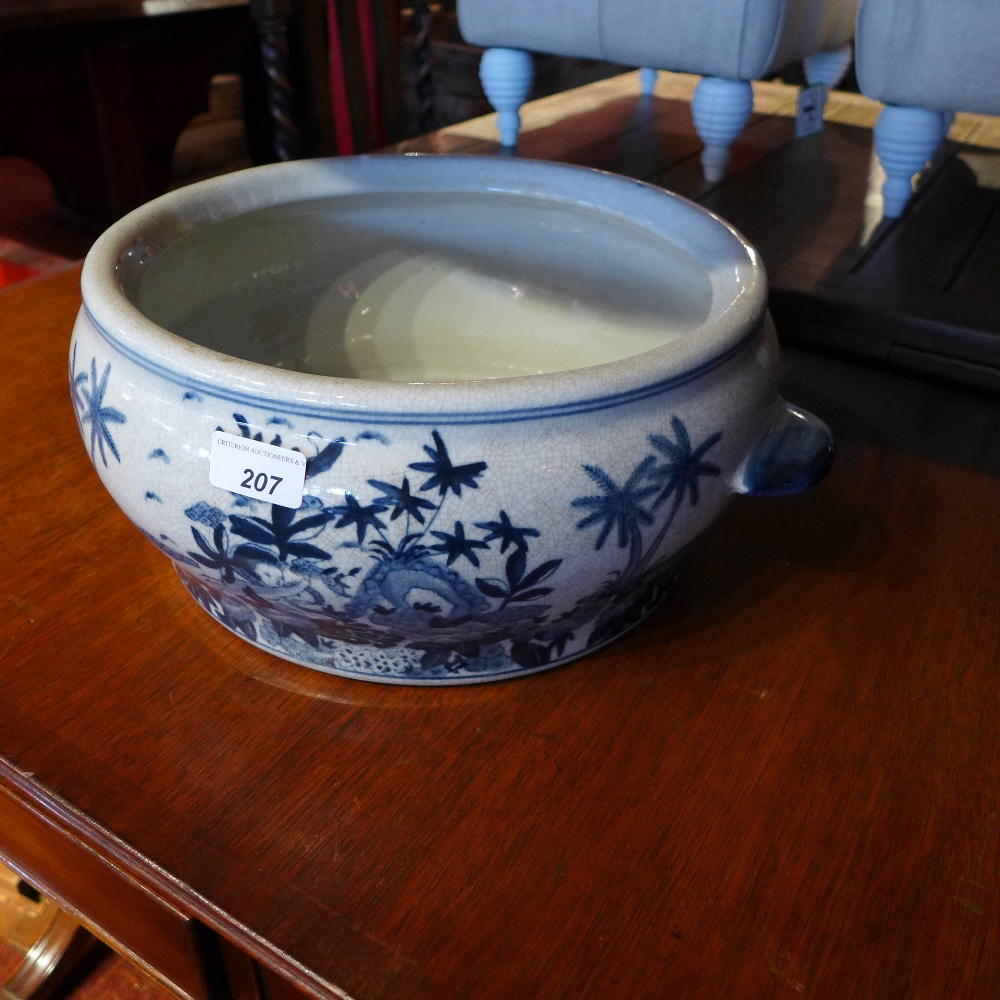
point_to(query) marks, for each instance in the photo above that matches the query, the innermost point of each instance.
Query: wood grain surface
(785, 782)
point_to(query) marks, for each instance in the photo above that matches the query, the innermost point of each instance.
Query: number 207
(258, 481)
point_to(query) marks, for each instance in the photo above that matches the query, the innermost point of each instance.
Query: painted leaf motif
(530, 595)
(303, 550)
(541, 573)
(490, 589)
(308, 523)
(254, 553)
(516, 563)
(252, 529)
(202, 544)
(325, 459)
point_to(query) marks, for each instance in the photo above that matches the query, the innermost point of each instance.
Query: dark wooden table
(785, 782)
(918, 293)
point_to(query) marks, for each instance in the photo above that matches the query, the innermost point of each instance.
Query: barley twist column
(271, 17)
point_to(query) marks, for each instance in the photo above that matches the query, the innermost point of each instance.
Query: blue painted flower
(457, 545)
(684, 466)
(444, 474)
(363, 518)
(618, 506)
(401, 500)
(507, 533)
(96, 414)
(205, 513)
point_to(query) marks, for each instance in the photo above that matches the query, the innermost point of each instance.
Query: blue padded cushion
(939, 54)
(558, 27)
(738, 39)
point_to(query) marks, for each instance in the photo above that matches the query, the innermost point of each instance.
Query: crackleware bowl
(430, 419)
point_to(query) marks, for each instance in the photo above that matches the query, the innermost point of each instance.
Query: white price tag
(254, 469)
(812, 101)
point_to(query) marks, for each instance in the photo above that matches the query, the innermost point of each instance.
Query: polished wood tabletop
(785, 782)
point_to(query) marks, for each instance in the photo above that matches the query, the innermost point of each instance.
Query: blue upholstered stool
(925, 60)
(727, 42)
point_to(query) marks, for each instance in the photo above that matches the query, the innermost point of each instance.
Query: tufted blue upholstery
(736, 39)
(924, 60)
(727, 42)
(938, 54)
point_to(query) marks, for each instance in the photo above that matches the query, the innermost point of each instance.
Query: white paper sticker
(812, 101)
(254, 469)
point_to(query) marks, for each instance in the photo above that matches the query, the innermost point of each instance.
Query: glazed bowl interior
(427, 269)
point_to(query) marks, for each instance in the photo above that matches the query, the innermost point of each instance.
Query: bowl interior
(422, 286)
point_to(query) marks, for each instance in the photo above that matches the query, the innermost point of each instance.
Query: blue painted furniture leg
(506, 75)
(829, 67)
(647, 81)
(905, 139)
(721, 109)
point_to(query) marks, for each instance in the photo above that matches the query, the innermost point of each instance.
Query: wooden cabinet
(783, 782)
(130, 917)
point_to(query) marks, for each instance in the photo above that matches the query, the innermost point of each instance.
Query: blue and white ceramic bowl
(430, 420)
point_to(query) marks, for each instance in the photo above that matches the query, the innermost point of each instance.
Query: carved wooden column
(424, 59)
(271, 17)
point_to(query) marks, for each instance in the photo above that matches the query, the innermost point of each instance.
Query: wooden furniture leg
(50, 943)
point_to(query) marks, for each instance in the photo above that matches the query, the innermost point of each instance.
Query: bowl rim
(735, 271)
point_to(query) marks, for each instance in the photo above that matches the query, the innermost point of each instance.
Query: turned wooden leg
(905, 139)
(47, 943)
(271, 17)
(647, 80)
(423, 60)
(506, 75)
(721, 109)
(828, 68)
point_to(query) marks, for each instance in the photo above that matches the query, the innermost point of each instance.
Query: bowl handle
(794, 453)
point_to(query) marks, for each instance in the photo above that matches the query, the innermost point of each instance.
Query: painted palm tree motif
(673, 475)
(668, 477)
(617, 506)
(93, 414)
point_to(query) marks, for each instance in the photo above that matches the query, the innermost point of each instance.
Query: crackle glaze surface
(449, 532)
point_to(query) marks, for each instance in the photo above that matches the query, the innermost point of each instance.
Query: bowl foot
(339, 646)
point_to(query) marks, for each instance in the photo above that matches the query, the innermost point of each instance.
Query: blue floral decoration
(410, 591)
(400, 567)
